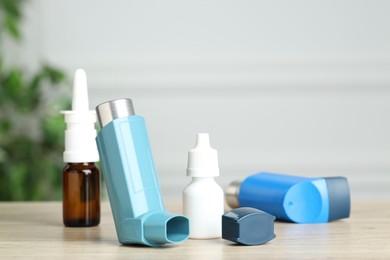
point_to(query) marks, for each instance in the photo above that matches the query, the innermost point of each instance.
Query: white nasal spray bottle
(203, 198)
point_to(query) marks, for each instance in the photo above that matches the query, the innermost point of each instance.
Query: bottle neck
(197, 179)
(83, 165)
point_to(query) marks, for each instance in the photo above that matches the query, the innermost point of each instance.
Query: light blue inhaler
(293, 198)
(131, 179)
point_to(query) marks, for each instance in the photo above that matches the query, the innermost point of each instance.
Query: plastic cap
(339, 198)
(202, 159)
(248, 226)
(80, 133)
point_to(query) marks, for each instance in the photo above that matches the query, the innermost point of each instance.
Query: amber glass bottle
(81, 195)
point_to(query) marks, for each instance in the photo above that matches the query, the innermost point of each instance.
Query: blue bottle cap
(248, 226)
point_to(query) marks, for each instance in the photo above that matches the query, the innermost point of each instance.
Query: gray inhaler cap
(248, 226)
(339, 197)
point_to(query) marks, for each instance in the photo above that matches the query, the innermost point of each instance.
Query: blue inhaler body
(131, 179)
(293, 198)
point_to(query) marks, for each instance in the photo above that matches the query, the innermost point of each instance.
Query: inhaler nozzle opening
(163, 227)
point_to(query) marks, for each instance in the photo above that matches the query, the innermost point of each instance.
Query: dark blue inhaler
(293, 198)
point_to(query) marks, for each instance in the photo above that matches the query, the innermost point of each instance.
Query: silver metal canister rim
(114, 109)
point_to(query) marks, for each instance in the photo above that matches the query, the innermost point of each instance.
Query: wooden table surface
(35, 230)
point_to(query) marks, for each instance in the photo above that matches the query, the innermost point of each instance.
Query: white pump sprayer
(80, 145)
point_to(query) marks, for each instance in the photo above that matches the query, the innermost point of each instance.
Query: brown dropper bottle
(81, 177)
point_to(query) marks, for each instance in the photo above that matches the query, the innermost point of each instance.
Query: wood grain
(35, 230)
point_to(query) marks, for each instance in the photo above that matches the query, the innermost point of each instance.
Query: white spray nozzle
(202, 139)
(202, 159)
(80, 91)
(80, 133)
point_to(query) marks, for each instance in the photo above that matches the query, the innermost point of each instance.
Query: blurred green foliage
(31, 128)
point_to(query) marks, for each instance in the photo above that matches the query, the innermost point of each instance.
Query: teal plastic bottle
(131, 179)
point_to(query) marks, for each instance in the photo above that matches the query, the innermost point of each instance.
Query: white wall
(300, 87)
